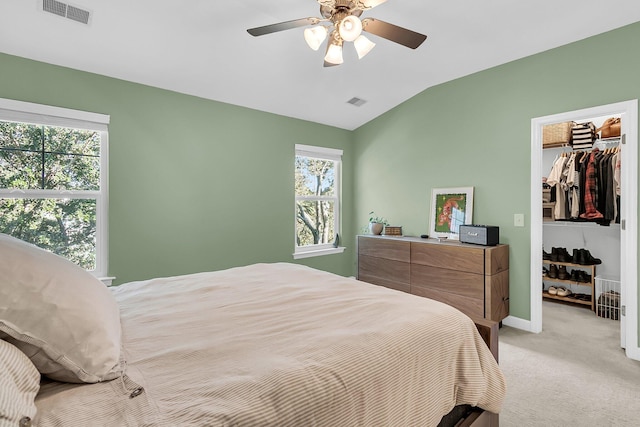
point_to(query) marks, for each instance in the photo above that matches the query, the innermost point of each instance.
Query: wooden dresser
(472, 278)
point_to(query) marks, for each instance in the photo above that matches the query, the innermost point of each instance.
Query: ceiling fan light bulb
(334, 54)
(363, 46)
(350, 28)
(314, 36)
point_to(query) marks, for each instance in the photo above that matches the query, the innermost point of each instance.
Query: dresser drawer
(472, 307)
(384, 248)
(458, 283)
(385, 272)
(459, 258)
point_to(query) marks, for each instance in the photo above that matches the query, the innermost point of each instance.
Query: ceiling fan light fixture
(363, 46)
(314, 36)
(350, 28)
(334, 54)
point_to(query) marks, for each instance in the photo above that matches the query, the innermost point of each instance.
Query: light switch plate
(518, 220)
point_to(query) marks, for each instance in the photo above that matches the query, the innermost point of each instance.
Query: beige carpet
(573, 373)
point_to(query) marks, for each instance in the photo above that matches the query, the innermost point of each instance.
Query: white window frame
(326, 248)
(38, 114)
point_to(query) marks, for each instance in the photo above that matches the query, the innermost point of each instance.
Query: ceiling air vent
(66, 11)
(356, 101)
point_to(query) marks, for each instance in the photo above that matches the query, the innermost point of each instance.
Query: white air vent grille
(356, 101)
(78, 14)
(54, 7)
(66, 11)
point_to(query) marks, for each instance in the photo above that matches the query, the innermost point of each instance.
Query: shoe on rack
(553, 271)
(582, 260)
(562, 273)
(585, 297)
(590, 259)
(575, 275)
(546, 255)
(554, 254)
(575, 259)
(584, 277)
(585, 258)
(563, 292)
(552, 290)
(563, 255)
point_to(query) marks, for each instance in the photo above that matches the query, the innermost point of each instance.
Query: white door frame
(628, 110)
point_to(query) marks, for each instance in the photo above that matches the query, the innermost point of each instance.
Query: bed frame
(488, 330)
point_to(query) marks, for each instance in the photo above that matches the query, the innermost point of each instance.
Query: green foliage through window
(316, 202)
(48, 180)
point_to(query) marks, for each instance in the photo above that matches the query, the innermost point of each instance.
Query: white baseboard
(518, 323)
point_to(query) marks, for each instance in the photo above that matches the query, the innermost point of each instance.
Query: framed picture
(450, 208)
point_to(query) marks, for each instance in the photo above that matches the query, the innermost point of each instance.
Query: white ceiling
(201, 47)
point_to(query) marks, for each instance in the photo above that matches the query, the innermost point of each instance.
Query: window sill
(106, 280)
(319, 252)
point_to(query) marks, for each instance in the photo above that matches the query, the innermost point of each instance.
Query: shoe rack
(574, 298)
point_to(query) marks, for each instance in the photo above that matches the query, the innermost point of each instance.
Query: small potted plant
(376, 223)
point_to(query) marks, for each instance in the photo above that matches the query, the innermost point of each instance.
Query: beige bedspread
(282, 345)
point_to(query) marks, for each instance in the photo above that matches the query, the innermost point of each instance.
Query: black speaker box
(486, 235)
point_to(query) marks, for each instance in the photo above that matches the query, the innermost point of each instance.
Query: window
(53, 180)
(317, 204)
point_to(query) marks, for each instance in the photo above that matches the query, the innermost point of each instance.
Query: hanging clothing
(554, 180)
(615, 162)
(609, 189)
(591, 189)
(586, 186)
(582, 165)
(573, 185)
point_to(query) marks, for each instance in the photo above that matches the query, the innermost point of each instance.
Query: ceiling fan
(345, 25)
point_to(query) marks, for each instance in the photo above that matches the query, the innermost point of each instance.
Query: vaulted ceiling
(202, 48)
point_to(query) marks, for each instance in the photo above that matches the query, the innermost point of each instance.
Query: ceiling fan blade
(368, 4)
(392, 32)
(281, 26)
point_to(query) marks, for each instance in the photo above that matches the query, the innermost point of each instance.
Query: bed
(262, 345)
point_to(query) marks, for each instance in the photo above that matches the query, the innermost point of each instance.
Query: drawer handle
(472, 234)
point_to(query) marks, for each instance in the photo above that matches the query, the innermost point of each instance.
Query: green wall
(194, 185)
(476, 131)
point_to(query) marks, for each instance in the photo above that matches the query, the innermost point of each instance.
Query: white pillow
(63, 318)
(19, 384)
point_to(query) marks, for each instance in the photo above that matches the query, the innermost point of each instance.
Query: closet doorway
(628, 112)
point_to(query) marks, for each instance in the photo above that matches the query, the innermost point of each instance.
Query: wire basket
(607, 298)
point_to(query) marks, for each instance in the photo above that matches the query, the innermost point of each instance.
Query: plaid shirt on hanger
(591, 187)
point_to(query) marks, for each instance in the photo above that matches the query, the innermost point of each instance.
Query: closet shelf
(547, 295)
(568, 282)
(590, 284)
(561, 223)
(569, 264)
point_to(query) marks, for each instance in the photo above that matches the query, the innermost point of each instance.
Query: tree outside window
(317, 173)
(50, 188)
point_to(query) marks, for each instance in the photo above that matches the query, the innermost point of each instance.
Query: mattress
(281, 345)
